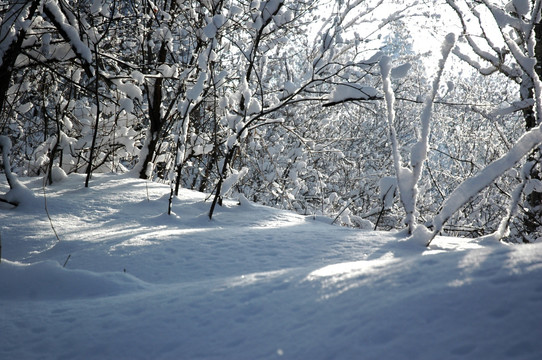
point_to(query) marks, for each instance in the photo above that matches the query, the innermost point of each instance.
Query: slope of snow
(253, 283)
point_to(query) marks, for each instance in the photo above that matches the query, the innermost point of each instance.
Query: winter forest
(264, 179)
(376, 114)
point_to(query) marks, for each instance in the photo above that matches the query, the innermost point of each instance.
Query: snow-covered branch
(408, 177)
(70, 34)
(18, 191)
(472, 186)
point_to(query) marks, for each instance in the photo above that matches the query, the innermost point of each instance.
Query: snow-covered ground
(253, 283)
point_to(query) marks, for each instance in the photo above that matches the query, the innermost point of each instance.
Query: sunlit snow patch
(348, 275)
(254, 278)
(352, 269)
(471, 262)
(154, 236)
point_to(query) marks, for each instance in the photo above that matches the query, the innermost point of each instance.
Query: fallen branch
(8, 202)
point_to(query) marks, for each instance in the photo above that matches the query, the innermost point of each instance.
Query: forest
(270, 179)
(373, 114)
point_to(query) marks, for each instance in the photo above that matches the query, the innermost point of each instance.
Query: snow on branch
(403, 174)
(351, 92)
(5, 147)
(515, 106)
(232, 180)
(69, 33)
(270, 9)
(14, 21)
(497, 59)
(504, 19)
(18, 192)
(408, 177)
(473, 63)
(472, 186)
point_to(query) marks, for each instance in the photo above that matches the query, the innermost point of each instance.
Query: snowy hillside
(253, 283)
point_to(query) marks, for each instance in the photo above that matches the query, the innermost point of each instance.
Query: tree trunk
(97, 122)
(533, 218)
(14, 49)
(155, 116)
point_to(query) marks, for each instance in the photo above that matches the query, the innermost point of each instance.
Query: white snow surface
(253, 283)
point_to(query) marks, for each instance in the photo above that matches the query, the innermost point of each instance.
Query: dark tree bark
(155, 116)
(95, 133)
(533, 218)
(14, 50)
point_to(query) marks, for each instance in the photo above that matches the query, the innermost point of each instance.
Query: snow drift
(253, 283)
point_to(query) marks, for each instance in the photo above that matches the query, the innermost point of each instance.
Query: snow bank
(47, 280)
(254, 283)
(18, 194)
(22, 196)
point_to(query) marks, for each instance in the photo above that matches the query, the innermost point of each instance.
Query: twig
(354, 198)
(383, 208)
(47, 210)
(8, 202)
(65, 262)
